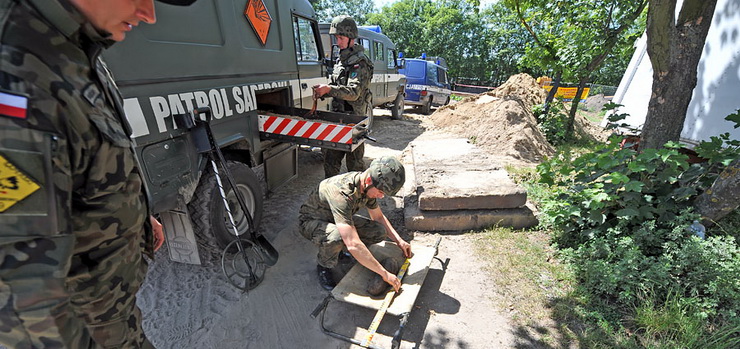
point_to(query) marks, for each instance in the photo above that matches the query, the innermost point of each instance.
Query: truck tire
(398, 105)
(369, 114)
(210, 221)
(426, 109)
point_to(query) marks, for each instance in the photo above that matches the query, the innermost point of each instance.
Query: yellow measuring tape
(384, 307)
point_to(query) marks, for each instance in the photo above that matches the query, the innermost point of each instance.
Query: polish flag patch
(13, 105)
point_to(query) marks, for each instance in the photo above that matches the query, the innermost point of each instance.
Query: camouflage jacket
(73, 125)
(336, 200)
(351, 78)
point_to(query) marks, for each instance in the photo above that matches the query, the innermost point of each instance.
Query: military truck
(253, 62)
(387, 85)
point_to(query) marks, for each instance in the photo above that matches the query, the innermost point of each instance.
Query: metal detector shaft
(270, 253)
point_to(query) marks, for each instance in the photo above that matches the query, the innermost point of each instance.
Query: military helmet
(344, 25)
(387, 174)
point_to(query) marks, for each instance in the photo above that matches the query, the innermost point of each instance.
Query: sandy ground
(189, 306)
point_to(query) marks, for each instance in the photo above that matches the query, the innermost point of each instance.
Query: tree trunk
(722, 197)
(569, 134)
(553, 91)
(675, 48)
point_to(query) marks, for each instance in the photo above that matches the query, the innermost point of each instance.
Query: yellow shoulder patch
(14, 185)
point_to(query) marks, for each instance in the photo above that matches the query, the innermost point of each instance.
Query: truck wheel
(426, 109)
(210, 220)
(398, 105)
(369, 114)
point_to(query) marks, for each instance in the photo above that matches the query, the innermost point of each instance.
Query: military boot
(377, 286)
(326, 279)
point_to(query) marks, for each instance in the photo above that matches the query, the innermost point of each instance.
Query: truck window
(379, 50)
(391, 58)
(306, 48)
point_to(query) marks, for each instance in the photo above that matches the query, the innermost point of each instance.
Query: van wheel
(210, 220)
(426, 109)
(398, 105)
(447, 101)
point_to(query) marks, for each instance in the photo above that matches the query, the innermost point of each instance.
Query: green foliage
(614, 186)
(453, 29)
(553, 124)
(621, 217)
(672, 323)
(326, 10)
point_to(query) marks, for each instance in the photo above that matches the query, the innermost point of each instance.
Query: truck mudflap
(323, 129)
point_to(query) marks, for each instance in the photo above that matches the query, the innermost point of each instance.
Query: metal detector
(243, 261)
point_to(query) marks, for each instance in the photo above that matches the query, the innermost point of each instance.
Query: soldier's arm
(377, 215)
(358, 80)
(34, 218)
(357, 248)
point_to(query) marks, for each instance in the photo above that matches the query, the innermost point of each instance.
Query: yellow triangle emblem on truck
(14, 185)
(260, 19)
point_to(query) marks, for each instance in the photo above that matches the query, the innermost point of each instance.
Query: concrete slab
(453, 174)
(416, 218)
(463, 220)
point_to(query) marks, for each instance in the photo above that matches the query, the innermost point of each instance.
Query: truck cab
(388, 84)
(252, 62)
(426, 82)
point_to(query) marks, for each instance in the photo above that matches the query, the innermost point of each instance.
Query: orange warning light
(259, 18)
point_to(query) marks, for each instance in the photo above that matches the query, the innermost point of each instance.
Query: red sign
(259, 18)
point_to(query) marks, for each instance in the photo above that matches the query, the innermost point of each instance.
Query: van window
(306, 48)
(391, 58)
(415, 69)
(379, 50)
(442, 75)
(432, 75)
(366, 44)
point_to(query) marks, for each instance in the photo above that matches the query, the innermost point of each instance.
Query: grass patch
(526, 273)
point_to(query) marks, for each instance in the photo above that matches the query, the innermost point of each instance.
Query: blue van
(426, 82)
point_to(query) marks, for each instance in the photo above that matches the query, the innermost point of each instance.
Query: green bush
(622, 217)
(553, 124)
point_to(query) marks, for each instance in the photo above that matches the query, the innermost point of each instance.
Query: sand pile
(500, 121)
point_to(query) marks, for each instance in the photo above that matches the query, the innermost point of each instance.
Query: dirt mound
(500, 121)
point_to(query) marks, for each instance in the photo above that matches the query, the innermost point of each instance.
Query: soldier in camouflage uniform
(350, 88)
(328, 218)
(73, 213)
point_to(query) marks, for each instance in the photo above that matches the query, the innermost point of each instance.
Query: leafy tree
(576, 37)
(326, 10)
(453, 29)
(674, 46)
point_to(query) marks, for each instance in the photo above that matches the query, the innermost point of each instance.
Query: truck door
(308, 57)
(380, 93)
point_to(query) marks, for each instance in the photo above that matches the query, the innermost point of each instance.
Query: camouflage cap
(344, 25)
(387, 174)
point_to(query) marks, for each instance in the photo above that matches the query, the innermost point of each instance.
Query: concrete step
(453, 185)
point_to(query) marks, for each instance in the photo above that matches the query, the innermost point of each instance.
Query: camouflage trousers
(333, 160)
(326, 236)
(101, 284)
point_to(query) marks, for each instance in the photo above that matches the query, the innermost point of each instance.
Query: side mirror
(401, 63)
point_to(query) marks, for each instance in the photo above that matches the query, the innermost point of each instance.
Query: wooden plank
(352, 288)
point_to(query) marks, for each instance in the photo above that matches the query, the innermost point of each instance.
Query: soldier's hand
(320, 90)
(158, 232)
(392, 280)
(406, 248)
